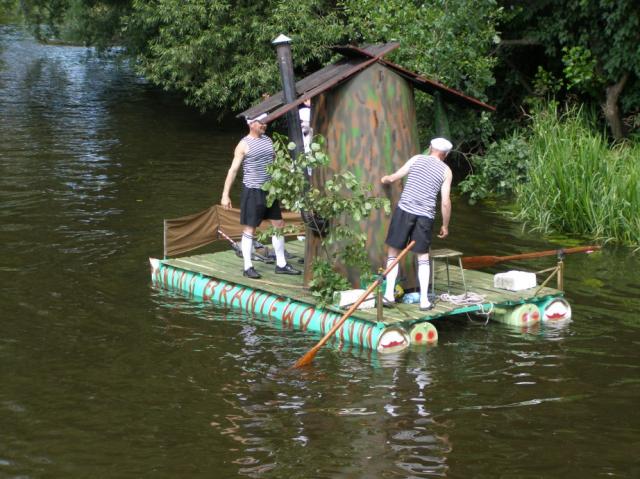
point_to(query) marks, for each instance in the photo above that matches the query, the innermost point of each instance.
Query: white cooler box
(514, 280)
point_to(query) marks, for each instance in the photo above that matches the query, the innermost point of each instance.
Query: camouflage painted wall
(370, 126)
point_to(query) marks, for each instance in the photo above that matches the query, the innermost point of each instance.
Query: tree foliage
(438, 39)
(8, 10)
(218, 53)
(499, 170)
(340, 201)
(442, 41)
(591, 48)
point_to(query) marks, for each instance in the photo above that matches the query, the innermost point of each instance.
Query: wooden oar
(308, 357)
(236, 247)
(476, 262)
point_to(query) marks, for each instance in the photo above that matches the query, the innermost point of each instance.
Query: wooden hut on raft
(364, 107)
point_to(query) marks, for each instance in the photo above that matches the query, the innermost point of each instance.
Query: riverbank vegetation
(583, 56)
(578, 182)
(564, 176)
(218, 53)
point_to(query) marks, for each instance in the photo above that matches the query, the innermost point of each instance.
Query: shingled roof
(354, 60)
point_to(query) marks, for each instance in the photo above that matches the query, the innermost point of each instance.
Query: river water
(101, 375)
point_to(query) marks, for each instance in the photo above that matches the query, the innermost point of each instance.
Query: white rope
(466, 299)
(469, 299)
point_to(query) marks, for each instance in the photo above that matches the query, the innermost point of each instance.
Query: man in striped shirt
(414, 216)
(255, 152)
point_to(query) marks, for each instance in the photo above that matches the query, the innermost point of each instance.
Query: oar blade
(477, 262)
(307, 359)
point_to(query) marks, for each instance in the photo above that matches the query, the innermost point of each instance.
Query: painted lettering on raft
(192, 286)
(266, 297)
(207, 292)
(287, 316)
(353, 326)
(323, 320)
(361, 334)
(273, 307)
(223, 294)
(251, 301)
(238, 296)
(304, 324)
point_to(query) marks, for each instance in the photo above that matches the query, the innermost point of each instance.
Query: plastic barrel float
(555, 310)
(524, 314)
(289, 313)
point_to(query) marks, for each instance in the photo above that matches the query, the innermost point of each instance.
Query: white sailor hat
(441, 144)
(259, 118)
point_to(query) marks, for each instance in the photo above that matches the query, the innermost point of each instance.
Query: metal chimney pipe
(285, 62)
(283, 49)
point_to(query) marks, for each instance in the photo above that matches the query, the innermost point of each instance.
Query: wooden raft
(227, 266)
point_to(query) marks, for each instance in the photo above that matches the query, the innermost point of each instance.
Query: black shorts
(405, 227)
(253, 207)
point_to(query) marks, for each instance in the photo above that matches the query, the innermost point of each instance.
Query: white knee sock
(278, 246)
(423, 278)
(391, 280)
(246, 244)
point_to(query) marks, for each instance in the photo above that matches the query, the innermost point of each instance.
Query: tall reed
(577, 183)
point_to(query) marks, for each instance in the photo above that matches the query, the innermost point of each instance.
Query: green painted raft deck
(227, 267)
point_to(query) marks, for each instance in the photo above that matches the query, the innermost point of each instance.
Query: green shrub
(499, 170)
(565, 177)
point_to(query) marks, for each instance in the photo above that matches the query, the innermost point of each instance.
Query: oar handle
(577, 249)
(473, 262)
(234, 245)
(364, 295)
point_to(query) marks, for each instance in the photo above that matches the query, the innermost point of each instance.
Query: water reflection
(278, 421)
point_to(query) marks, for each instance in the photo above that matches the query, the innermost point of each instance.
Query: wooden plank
(373, 50)
(342, 68)
(319, 89)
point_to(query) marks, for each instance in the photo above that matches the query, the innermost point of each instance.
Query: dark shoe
(272, 254)
(388, 304)
(251, 273)
(287, 269)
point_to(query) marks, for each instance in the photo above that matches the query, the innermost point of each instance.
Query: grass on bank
(576, 183)
(573, 180)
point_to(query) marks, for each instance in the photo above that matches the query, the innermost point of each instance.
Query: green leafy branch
(342, 201)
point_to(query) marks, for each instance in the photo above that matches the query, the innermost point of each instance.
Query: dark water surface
(103, 376)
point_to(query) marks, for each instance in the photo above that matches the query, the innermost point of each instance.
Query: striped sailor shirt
(259, 155)
(420, 192)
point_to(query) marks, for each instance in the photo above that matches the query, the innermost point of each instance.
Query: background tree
(588, 48)
(443, 41)
(218, 54)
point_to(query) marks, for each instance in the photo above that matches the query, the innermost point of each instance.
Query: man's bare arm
(238, 156)
(445, 204)
(401, 173)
